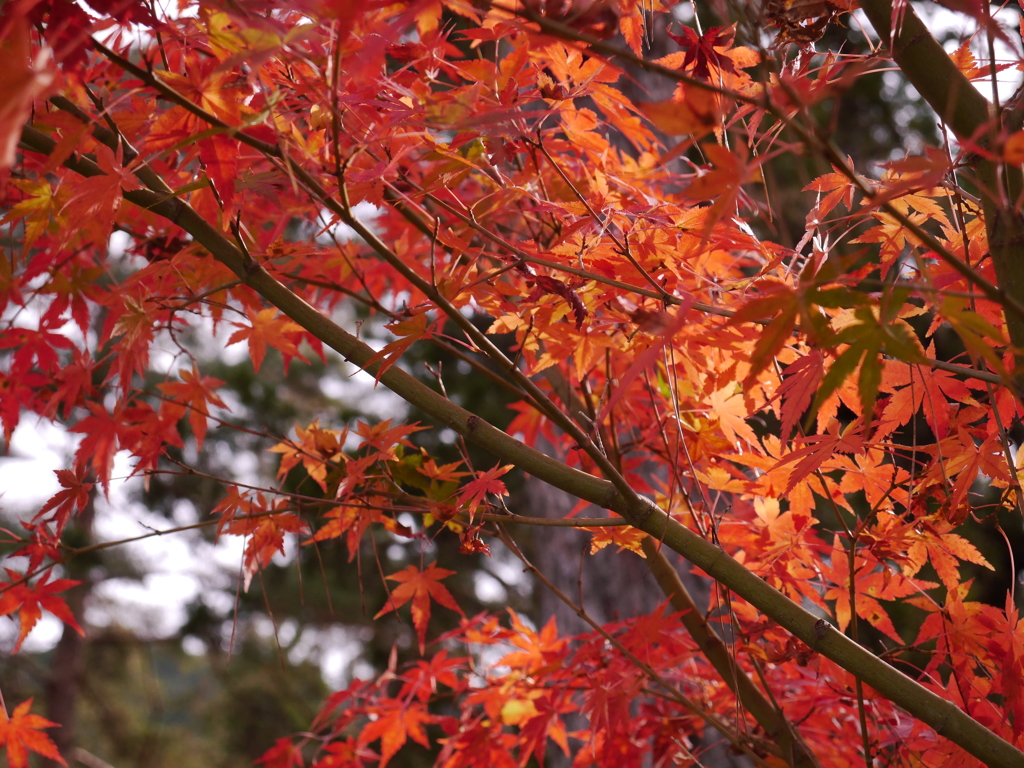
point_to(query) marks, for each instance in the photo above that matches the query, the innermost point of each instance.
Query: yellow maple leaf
(624, 537)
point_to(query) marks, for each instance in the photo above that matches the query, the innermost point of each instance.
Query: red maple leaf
(101, 431)
(701, 53)
(1013, 663)
(22, 732)
(472, 493)
(219, 154)
(801, 381)
(284, 754)
(43, 542)
(74, 382)
(345, 754)
(75, 494)
(30, 599)
(24, 77)
(481, 742)
(131, 317)
(96, 200)
(70, 288)
(419, 586)
(39, 346)
(422, 680)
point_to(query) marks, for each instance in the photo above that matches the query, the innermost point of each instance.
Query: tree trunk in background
(62, 687)
(613, 585)
(610, 585)
(68, 663)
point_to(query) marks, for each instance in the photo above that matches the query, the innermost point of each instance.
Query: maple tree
(786, 416)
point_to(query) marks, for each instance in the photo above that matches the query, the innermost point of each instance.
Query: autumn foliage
(811, 421)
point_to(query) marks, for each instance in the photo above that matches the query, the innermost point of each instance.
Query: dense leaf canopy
(816, 403)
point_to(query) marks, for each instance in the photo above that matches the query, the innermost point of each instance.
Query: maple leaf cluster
(791, 408)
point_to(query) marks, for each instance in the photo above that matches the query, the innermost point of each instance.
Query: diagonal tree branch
(768, 716)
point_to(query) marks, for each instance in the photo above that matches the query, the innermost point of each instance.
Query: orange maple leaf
(394, 724)
(354, 520)
(872, 586)
(266, 328)
(384, 438)
(944, 548)
(22, 732)
(776, 297)
(967, 63)
(195, 391)
(317, 449)
(690, 111)
(537, 649)
(917, 387)
(37, 209)
(818, 448)
(724, 182)
(839, 189)
(212, 87)
(419, 586)
(266, 538)
(408, 332)
(730, 406)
